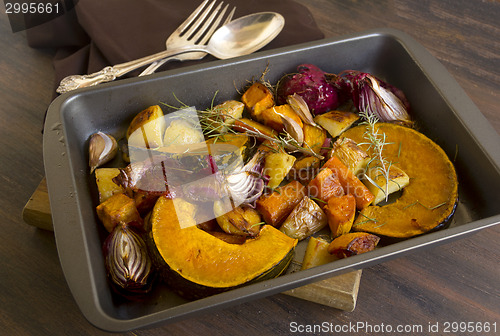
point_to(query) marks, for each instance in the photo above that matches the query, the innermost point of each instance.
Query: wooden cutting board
(339, 292)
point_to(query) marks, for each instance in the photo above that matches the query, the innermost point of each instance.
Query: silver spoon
(237, 38)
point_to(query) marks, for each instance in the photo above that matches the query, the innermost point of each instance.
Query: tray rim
(473, 120)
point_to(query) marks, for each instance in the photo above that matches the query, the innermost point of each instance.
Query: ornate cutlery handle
(109, 73)
(74, 82)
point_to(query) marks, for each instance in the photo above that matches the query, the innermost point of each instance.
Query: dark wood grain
(453, 282)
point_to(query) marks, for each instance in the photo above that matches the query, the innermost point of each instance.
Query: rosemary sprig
(425, 206)
(376, 142)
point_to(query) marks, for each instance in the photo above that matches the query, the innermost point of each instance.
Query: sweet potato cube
(340, 212)
(276, 206)
(272, 117)
(350, 183)
(314, 137)
(119, 209)
(257, 98)
(304, 169)
(324, 186)
(353, 243)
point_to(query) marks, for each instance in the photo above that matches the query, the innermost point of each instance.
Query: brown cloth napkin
(93, 33)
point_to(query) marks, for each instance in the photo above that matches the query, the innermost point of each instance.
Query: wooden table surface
(457, 282)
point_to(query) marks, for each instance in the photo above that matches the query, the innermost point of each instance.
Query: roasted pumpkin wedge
(197, 264)
(429, 200)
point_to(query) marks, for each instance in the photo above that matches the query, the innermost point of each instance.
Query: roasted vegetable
(351, 155)
(317, 253)
(276, 206)
(305, 219)
(381, 187)
(375, 97)
(336, 122)
(304, 169)
(147, 128)
(257, 98)
(241, 220)
(105, 185)
(102, 149)
(196, 264)
(222, 116)
(340, 212)
(350, 183)
(325, 185)
(428, 202)
(245, 125)
(119, 209)
(314, 137)
(353, 243)
(272, 117)
(127, 261)
(311, 84)
(277, 166)
(182, 132)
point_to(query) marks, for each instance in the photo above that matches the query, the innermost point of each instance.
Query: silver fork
(190, 32)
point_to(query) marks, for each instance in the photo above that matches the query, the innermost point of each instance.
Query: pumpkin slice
(429, 200)
(197, 264)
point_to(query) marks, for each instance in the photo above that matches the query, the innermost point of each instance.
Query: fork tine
(191, 17)
(215, 25)
(199, 20)
(210, 24)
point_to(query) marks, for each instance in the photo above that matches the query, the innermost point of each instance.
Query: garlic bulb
(102, 148)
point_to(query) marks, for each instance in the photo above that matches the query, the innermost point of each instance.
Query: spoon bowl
(245, 35)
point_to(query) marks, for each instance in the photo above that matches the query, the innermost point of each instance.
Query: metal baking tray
(441, 107)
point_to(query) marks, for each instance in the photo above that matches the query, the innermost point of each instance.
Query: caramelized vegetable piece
(398, 179)
(350, 183)
(306, 219)
(127, 261)
(272, 117)
(317, 253)
(118, 209)
(314, 137)
(304, 169)
(147, 128)
(245, 124)
(340, 212)
(325, 185)
(242, 220)
(256, 99)
(336, 122)
(277, 166)
(351, 155)
(275, 207)
(353, 243)
(105, 185)
(145, 201)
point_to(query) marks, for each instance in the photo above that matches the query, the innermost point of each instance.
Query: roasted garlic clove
(293, 128)
(300, 107)
(102, 148)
